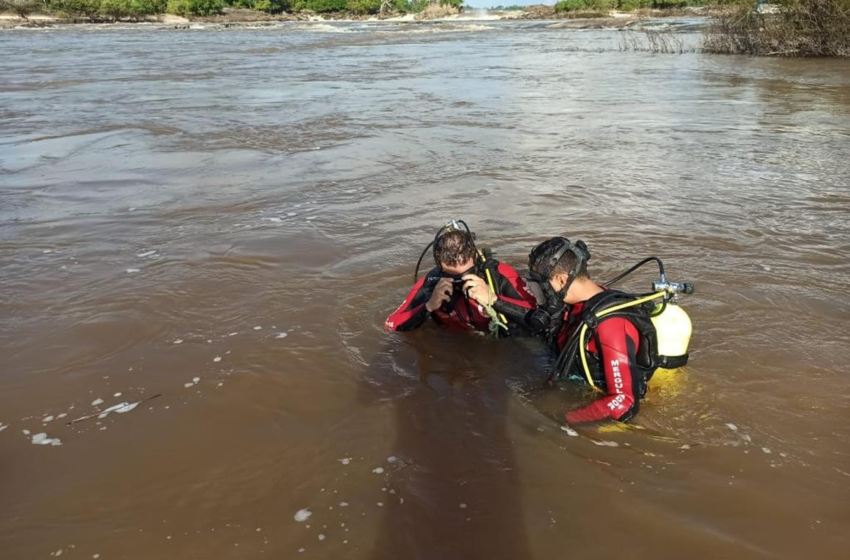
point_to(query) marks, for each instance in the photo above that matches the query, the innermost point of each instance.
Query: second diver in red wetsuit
(467, 289)
(619, 349)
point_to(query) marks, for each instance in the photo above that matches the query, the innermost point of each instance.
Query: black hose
(635, 267)
(439, 231)
(419, 262)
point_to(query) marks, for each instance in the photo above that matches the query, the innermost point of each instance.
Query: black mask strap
(579, 249)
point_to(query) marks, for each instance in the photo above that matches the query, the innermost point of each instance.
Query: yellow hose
(504, 321)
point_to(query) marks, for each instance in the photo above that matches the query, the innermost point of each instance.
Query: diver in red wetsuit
(457, 292)
(620, 348)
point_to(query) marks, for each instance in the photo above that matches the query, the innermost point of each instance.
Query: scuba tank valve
(672, 287)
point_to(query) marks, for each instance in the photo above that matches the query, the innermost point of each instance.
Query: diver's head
(557, 264)
(454, 253)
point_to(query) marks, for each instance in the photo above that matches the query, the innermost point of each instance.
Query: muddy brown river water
(223, 218)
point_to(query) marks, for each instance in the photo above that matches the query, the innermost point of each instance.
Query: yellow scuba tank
(673, 328)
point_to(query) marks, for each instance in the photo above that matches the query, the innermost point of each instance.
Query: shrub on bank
(796, 28)
(76, 10)
(585, 5)
(271, 6)
(363, 7)
(130, 9)
(195, 7)
(631, 5)
(21, 8)
(320, 6)
(268, 6)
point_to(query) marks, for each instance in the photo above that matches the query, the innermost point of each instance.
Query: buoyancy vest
(646, 355)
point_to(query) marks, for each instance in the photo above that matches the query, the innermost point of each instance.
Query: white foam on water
(321, 537)
(233, 334)
(187, 385)
(258, 328)
(132, 270)
(281, 335)
(62, 415)
(3, 427)
(217, 359)
(97, 402)
(570, 431)
(127, 407)
(146, 254)
(392, 459)
(116, 395)
(380, 504)
(57, 553)
(178, 341)
(301, 549)
(196, 379)
(605, 443)
(46, 251)
(274, 219)
(95, 556)
(462, 505)
(47, 419)
(401, 500)
(766, 450)
(292, 214)
(343, 504)
(378, 470)
(345, 460)
(42, 439)
(25, 432)
(732, 427)
(303, 515)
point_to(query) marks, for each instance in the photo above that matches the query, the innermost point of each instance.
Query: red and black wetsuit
(513, 299)
(614, 357)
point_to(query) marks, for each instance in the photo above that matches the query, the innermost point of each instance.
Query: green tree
(21, 8)
(272, 6)
(320, 6)
(195, 7)
(77, 9)
(363, 7)
(131, 9)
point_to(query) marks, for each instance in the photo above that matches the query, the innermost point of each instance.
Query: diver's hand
(442, 293)
(476, 288)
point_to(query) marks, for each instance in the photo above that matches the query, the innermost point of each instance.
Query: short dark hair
(540, 259)
(454, 248)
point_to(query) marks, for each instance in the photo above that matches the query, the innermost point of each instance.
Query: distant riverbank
(240, 17)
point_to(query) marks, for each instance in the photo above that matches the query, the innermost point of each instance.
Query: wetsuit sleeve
(513, 290)
(617, 342)
(411, 313)
(515, 301)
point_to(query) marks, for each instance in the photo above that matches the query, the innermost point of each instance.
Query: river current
(214, 223)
